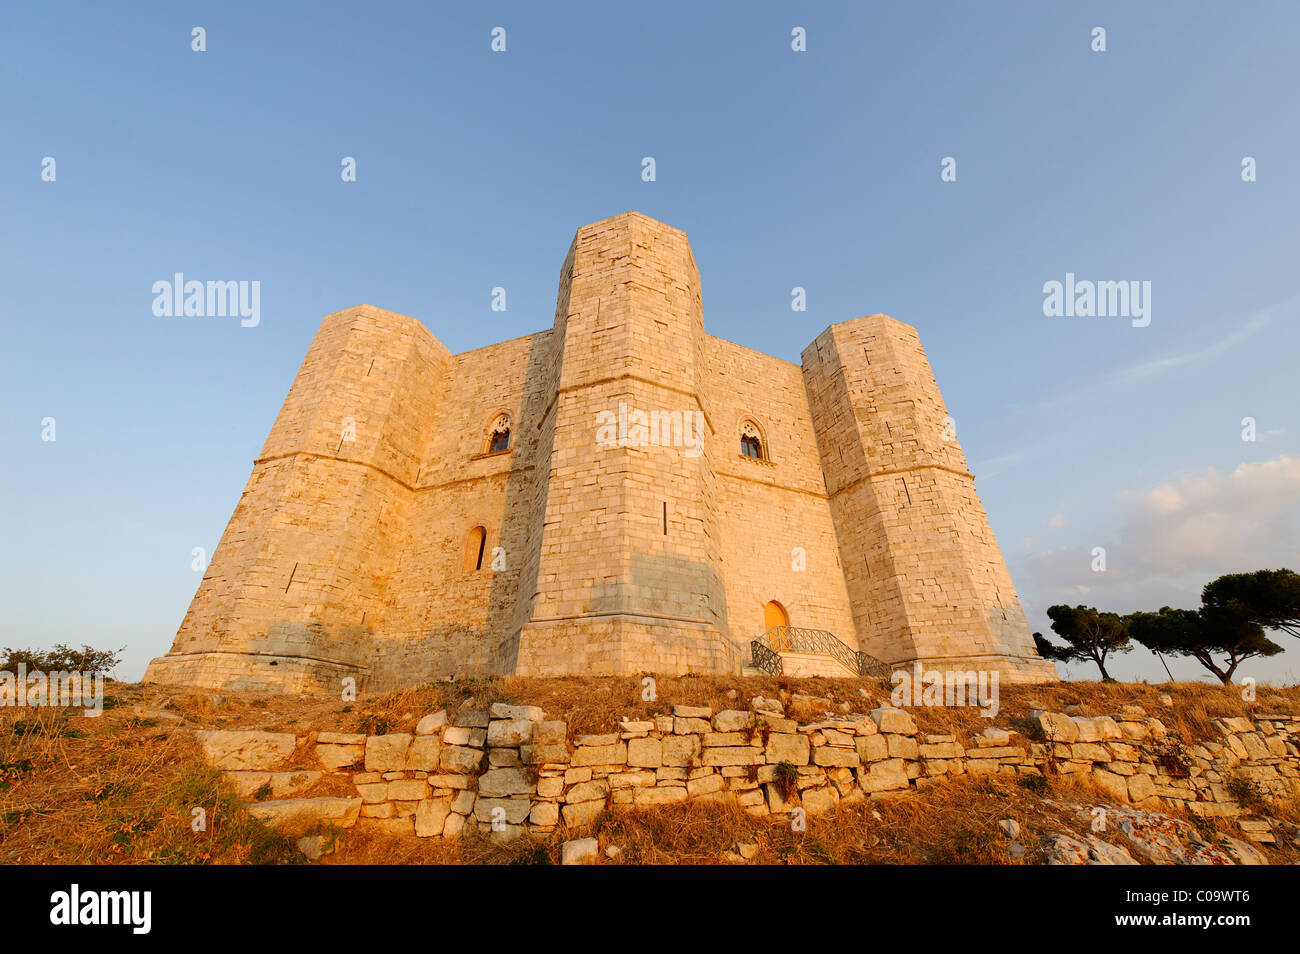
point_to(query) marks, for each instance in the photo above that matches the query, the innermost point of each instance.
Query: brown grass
(121, 787)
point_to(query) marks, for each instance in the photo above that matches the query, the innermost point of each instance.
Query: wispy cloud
(1133, 376)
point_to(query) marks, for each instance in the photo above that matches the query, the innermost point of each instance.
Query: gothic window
(499, 434)
(751, 441)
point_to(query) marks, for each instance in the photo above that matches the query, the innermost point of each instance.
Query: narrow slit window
(475, 545)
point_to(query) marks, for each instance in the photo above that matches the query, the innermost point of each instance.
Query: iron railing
(766, 660)
(766, 649)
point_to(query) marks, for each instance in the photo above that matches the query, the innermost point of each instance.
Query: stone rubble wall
(512, 766)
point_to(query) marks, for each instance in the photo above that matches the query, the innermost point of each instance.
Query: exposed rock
(245, 750)
(434, 722)
(580, 851)
(295, 816)
(889, 719)
(431, 815)
(281, 784)
(387, 753)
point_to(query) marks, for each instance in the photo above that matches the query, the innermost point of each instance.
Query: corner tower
(926, 579)
(299, 577)
(627, 561)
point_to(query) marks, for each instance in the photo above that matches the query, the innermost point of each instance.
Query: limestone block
(556, 753)
(500, 710)
(510, 732)
(645, 753)
(544, 814)
(901, 747)
(580, 851)
(889, 719)
(733, 720)
(827, 755)
(460, 759)
(408, 790)
(281, 784)
(819, 801)
(295, 816)
(422, 756)
(513, 810)
(503, 782)
(733, 755)
(786, 747)
(433, 723)
(680, 750)
(872, 748)
(387, 753)
(883, 776)
(339, 756)
(1056, 727)
(615, 754)
(242, 750)
(430, 816)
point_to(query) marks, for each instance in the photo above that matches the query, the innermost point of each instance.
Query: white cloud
(1177, 536)
(1174, 538)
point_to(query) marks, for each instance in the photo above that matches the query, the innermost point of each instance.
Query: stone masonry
(509, 770)
(658, 492)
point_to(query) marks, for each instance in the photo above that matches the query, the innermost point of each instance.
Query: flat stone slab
(295, 816)
(244, 750)
(281, 784)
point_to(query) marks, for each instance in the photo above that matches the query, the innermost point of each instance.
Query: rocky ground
(125, 786)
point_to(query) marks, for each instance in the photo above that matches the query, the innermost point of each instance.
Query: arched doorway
(774, 614)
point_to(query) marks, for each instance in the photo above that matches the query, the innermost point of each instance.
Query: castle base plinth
(252, 672)
(624, 644)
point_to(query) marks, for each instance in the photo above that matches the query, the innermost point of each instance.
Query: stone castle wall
(509, 770)
(346, 553)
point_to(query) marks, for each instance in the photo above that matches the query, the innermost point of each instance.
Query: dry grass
(121, 788)
(118, 789)
(953, 823)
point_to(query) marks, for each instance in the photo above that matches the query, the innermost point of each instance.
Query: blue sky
(817, 169)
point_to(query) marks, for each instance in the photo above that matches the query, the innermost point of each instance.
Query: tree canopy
(1265, 598)
(1088, 634)
(1202, 636)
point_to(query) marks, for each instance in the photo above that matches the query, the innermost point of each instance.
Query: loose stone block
(500, 710)
(433, 723)
(245, 750)
(889, 719)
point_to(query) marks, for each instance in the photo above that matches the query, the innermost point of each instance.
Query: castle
(622, 493)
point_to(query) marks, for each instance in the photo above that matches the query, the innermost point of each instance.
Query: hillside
(124, 787)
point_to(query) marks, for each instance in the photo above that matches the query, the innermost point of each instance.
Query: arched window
(499, 434)
(751, 441)
(475, 544)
